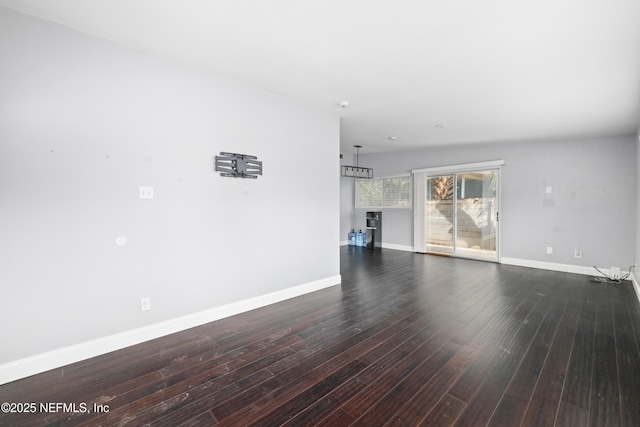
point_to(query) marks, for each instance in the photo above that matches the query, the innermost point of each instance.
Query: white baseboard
(566, 268)
(636, 286)
(54, 359)
(397, 247)
(387, 246)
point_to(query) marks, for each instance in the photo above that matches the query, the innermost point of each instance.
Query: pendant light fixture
(357, 171)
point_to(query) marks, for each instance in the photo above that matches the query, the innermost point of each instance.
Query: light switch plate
(146, 193)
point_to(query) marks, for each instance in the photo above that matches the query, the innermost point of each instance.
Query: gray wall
(83, 123)
(592, 207)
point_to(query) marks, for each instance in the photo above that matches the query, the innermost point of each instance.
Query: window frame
(382, 206)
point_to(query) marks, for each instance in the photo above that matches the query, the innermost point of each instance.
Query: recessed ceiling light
(344, 104)
(441, 125)
(392, 138)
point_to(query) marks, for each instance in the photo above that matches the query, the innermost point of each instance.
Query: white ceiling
(492, 70)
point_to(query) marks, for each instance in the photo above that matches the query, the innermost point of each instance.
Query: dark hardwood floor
(407, 340)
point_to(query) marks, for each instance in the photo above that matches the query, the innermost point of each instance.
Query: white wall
(637, 211)
(592, 207)
(83, 123)
(635, 275)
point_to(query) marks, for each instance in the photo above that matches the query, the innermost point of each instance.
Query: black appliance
(374, 230)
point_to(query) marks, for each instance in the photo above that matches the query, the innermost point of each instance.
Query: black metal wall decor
(238, 165)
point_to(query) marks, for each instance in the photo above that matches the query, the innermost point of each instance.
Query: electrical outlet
(145, 304)
(146, 192)
(615, 272)
(577, 253)
(549, 250)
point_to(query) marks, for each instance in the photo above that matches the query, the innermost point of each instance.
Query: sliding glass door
(440, 214)
(462, 213)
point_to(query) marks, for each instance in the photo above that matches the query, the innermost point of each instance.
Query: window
(389, 193)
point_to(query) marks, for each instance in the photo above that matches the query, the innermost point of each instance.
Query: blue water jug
(352, 237)
(361, 239)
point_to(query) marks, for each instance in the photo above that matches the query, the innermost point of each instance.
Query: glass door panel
(440, 218)
(475, 212)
